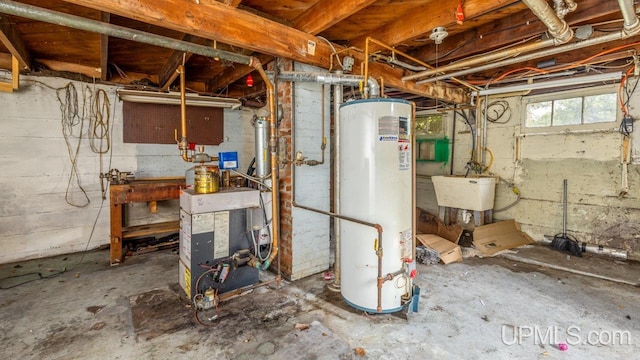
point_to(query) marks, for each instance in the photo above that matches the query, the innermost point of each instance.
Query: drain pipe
(337, 101)
(558, 28)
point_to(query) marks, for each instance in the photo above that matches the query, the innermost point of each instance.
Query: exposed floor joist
(240, 30)
(11, 39)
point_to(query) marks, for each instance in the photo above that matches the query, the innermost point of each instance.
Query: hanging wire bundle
(95, 109)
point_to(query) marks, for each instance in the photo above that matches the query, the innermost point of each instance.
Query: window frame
(569, 94)
(422, 113)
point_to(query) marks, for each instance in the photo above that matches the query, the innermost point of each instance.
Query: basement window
(591, 108)
(430, 125)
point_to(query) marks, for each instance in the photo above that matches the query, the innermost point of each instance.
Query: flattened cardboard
(427, 223)
(491, 238)
(448, 251)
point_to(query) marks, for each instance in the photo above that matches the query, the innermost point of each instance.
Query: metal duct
(558, 28)
(330, 78)
(631, 22)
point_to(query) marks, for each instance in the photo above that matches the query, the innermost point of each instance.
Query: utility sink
(472, 193)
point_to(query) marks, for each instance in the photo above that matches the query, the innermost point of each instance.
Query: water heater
(376, 187)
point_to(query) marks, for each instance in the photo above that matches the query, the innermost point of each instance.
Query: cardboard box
(491, 238)
(448, 251)
(427, 223)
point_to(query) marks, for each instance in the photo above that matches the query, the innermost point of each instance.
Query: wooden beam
(393, 78)
(240, 28)
(423, 19)
(13, 41)
(234, 73)
(90, 71)
(5, 61)
(233, 3)
(168, 71)
(508, 30)
(324, 14)
(104, 47)
(314, 20)
(6, 86)
(250, 32)
(15, 73)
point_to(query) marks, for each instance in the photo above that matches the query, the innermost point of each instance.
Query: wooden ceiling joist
(324, 14)
(168, 72)
(104, 48)
(433, 14)
(12, 41)
(520, 26)
(241, 30)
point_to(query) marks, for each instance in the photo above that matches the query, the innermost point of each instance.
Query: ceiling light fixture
(173, 98)
(579, 80)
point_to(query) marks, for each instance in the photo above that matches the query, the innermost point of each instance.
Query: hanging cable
(498, 112)
(72, 131)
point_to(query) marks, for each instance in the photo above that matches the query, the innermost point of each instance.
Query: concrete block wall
(35, 220)
(591, 162)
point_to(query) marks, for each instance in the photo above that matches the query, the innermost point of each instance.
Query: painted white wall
(35, 220)
(597, 213)
(311, 231)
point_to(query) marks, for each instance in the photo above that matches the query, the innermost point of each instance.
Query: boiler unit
(376, 187)
(214, 239)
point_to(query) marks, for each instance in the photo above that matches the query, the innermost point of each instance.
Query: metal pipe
(631, 21)
(597, 249)
(78, 22)
(480, 59)
(619, 35)
(558, 28)
(337, 101)
(564, 208)
(273, 142)
(183, 145)
(407, 56)
(331, 79)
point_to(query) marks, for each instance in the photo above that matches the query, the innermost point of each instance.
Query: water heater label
(404, 154)
(388, 127)
(406, 244)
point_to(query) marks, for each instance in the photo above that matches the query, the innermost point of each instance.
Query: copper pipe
(183, 145)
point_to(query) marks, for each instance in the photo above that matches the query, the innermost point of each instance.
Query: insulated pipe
(618, 35)
(558, 28)
(331, 79)
(77, 22)
(631, 21)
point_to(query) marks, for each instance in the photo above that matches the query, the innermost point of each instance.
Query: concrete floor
(469, 310)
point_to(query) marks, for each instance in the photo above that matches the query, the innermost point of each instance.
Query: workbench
(149, 191)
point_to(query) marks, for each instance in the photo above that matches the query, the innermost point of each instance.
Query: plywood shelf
(131, 232)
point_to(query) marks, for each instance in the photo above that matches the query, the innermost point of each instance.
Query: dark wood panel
(155, 124)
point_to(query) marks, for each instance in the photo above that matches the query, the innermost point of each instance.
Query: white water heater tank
(376, 187)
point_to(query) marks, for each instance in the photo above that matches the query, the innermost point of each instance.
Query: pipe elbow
(564, 35)
(374, 87)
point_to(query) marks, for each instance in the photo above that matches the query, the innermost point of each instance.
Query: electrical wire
(496, 110)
